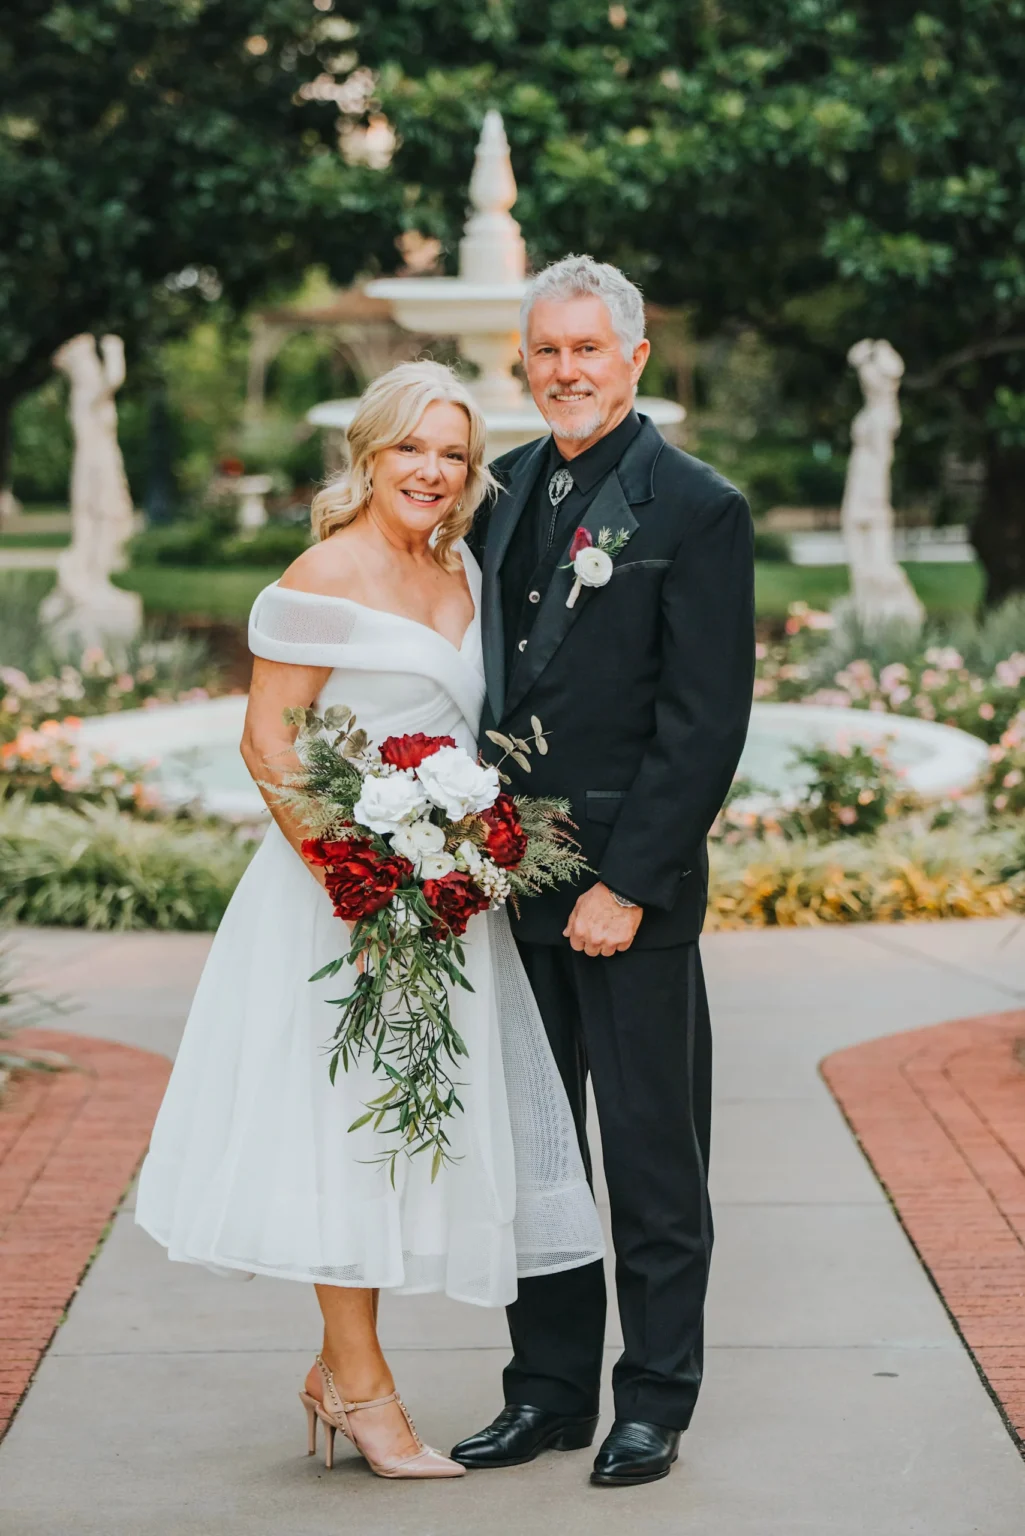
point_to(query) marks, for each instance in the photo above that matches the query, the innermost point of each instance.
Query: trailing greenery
(99, 868)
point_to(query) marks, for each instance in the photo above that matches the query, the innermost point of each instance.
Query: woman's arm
(268, 744)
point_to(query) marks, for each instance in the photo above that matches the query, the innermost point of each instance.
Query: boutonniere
(590, 561)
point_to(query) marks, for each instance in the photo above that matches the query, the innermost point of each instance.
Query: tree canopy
(824, 170)
(153, 155)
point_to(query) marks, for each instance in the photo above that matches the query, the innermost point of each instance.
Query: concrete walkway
(838, 1399)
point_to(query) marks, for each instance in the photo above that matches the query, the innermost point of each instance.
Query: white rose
(385, 804)
(417, 839)
(592, 567)
(468, 856)
(457, 784)
(435, 866)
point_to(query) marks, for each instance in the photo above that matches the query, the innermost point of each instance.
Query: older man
(644, 683)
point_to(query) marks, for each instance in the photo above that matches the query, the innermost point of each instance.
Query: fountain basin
(197, 748)
(450, 306)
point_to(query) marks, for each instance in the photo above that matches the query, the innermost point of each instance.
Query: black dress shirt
(542, 533)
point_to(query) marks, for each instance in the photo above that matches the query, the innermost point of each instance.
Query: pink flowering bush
(846, 791)
(933, 684)
(40, 752)
(47, 764)
(1004, 784)
(95, 687)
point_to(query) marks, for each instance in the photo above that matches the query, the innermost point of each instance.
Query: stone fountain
(480, 308)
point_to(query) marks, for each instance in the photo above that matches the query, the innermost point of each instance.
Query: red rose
(410, 751)
(507, 841)
(319, 850)
(455, 899)
(360, 881)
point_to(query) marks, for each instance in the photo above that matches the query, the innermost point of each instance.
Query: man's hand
(598, 925)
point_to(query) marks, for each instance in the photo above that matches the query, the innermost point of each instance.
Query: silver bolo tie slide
(559, 487)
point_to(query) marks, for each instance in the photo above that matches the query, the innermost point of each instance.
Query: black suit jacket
(644, 686)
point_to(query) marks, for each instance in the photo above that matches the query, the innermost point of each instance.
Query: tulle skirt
(252, 1167)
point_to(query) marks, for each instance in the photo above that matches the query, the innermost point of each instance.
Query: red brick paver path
(69, 1145)
(940, 1114)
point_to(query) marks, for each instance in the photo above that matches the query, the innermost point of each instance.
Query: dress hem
(248, 1271)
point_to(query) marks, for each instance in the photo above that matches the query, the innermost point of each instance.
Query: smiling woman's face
(420, 479)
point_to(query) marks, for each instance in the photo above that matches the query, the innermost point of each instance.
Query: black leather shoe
(520, 1433)
(635, 1452)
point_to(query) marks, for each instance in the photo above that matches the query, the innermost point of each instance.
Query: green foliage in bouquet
(408, 893)
(398, 1012)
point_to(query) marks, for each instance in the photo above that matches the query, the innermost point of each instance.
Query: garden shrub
(209, 541)
(771, 547)
(98, 868)
(904, 874)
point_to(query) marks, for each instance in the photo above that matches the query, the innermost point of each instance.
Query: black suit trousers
(638, 1023)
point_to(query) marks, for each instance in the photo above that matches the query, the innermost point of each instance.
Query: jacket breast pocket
(603, 805)
(641, 565)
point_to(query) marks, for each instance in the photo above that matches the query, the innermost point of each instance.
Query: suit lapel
(609, 509)
(507, 513)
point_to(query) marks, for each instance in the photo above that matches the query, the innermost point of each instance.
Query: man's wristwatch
(624, 901)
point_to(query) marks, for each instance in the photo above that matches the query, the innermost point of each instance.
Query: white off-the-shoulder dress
(251, 1166)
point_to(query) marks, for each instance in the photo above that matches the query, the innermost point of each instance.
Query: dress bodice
(395, 674)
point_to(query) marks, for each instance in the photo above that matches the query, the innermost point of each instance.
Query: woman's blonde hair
(388, 411)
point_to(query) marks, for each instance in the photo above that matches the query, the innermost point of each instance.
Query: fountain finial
(492, 249)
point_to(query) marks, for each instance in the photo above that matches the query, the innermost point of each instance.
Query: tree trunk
(6, 408)
(999, 530)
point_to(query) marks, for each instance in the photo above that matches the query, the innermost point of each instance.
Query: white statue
(84, 605)
(880, 590)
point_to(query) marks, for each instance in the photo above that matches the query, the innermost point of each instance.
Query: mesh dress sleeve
(300, 628)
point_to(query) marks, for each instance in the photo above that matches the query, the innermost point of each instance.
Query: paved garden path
(838, 1400)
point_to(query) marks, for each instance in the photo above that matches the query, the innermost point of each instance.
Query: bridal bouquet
(415, 837)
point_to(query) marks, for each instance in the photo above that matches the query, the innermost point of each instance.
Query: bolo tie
(559, 487)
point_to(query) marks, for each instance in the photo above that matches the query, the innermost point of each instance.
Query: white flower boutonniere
(590, 561)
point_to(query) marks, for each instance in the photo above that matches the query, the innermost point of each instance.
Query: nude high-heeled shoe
(334, 1414)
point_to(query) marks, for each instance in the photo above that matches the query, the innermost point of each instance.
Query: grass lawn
(227, 595)
(200, 592)
(944, 588)
(34, 540)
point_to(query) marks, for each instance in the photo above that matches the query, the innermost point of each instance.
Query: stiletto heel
(310, 1404)
(335, 1414)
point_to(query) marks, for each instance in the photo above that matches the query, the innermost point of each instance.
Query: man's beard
(581, 429)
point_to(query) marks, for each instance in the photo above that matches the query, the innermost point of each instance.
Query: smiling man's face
(580, 380)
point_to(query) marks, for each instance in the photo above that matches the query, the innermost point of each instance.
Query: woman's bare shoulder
(326, 569)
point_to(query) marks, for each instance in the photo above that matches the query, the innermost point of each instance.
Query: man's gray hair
(575, 277)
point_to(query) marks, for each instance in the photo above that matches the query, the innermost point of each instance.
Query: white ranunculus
(457, 784)
(435, 866)
(592, 567)
(388, 803)
(418, 839)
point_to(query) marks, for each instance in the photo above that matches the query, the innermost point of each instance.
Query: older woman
(252, 1167)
